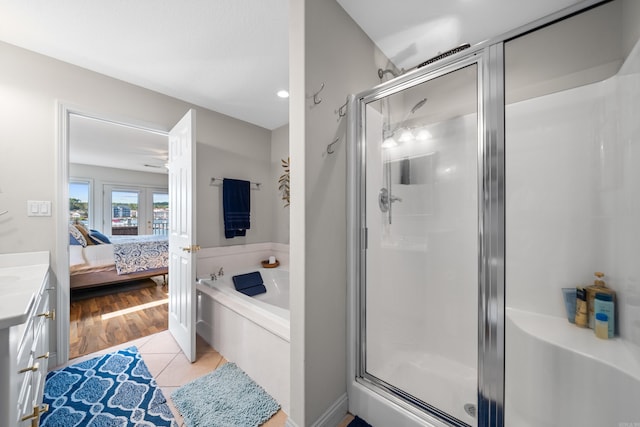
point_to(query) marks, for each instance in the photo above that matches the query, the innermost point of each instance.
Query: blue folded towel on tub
(249, 284)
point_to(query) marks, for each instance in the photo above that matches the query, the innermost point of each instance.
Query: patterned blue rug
(358, 422)
(226, 397)
(114, 390)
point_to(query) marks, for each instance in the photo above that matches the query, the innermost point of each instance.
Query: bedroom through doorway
(118, 232)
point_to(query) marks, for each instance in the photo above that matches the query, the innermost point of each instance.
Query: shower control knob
(383, 200)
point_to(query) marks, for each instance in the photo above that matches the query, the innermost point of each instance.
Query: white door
(182, 233)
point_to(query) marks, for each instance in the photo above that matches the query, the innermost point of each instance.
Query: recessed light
(283, 94)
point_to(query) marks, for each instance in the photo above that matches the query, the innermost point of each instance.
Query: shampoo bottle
(581, 308)
(598, 287)
(602, 329)
(603, 304)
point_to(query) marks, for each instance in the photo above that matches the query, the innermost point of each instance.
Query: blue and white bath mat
(114, 390)
(226, 397)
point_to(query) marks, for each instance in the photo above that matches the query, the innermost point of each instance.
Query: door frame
(63, 292)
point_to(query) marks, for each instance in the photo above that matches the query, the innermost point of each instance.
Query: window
(79, 202)
(124, 212)
(136, 210)
(160, 213)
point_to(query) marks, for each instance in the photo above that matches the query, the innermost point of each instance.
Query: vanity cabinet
(25, 321)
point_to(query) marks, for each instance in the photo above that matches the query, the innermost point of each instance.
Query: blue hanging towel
(236, 206)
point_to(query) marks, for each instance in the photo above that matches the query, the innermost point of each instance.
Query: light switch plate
(38, 208)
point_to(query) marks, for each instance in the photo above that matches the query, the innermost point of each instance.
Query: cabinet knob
(43, 356)
(48, 314)
(33, 368)
(37, 411)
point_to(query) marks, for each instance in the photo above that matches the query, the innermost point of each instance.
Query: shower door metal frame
(491, 247)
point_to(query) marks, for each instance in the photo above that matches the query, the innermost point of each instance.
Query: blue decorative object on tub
(249, 284)
(236, 205)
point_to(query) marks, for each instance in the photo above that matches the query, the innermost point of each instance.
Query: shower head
(418, 105)
(389, 133)
(382, 72)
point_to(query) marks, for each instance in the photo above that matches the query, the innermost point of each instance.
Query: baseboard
(334, 414)
(290, 423)
(204, 330)
(52, 362)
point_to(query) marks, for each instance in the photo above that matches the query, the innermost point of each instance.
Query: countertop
(21, 277)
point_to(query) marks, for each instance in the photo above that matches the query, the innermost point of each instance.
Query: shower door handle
(384, 200)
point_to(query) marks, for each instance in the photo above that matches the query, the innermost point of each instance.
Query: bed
(96, 260)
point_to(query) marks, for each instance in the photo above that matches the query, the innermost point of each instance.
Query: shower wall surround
(572, 195)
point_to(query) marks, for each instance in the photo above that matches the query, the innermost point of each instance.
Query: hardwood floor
(104, 317)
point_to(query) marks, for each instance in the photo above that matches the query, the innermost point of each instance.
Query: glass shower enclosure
(419, 152)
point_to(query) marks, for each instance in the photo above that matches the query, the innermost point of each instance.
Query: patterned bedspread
(140, 254)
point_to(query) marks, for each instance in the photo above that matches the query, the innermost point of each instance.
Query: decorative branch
(283, 182)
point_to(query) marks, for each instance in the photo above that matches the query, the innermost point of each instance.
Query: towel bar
(218, 181)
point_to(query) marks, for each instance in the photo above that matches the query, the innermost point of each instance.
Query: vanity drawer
(24, 337)
(25, 392)
(41, 356)
(25, 349)
(32, 359)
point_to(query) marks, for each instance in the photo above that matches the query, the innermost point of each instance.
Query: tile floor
(171, 369)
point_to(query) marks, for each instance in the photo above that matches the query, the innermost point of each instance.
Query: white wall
(268, 220)
(254, 166)
(554, 221)
(621, 158)
(30, 87)
(101, 176)
(326, 46)
(572, 203)
(279, 151)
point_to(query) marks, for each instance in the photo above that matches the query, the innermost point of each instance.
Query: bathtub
(560, 375)
(253, 332)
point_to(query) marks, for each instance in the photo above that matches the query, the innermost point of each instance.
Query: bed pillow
(73, 241)
(85, 234)
(75, 256)
(76, 235)
(98, 238)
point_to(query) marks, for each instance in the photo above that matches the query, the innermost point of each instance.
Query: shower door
(418, 292)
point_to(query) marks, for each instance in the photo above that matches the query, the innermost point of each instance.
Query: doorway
(96, 166)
